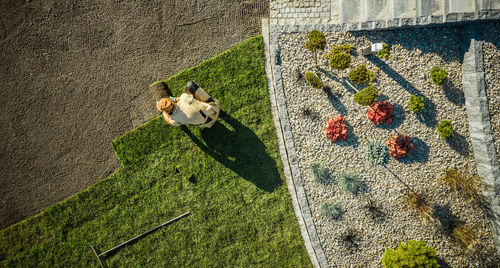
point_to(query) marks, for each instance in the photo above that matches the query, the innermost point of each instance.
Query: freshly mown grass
(229, 177)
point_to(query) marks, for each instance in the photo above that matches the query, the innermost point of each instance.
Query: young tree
(315, 41)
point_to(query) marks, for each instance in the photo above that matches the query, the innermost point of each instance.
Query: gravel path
(413, 54)
(491, 57)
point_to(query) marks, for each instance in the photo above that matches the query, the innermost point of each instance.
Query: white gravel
(413, 53)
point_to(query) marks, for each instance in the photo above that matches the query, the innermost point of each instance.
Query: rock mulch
(412, 54)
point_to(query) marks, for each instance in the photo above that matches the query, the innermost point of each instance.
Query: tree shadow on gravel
(459, 143)
(453, 94)
(338, 80)
(335, 102)
(420, 153)
(240, 150)
(429, 113)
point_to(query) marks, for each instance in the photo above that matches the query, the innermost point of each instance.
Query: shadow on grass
(459, 143)
(240, 150)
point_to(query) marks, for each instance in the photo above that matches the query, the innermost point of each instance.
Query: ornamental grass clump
(465, 236)
(336, 128)
(384, 53)
(399, 145)
(315, 41)
(367, 96)
(313, 80)
(438, 75)
(445, 129)
(414, 254)
(361, 75)
(319, 173)
(416, 103)
(331, 210)
(419, 203)
(352, 183)
(376, 152)
(381, 112)
(467, 186)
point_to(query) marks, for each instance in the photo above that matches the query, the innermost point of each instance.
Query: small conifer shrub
(384, 53)
(376, 152)
(313, 80)
(340, 61)
(352, 183)
(315, 41)
(445, 129)
(438, 75)
(361, 75)
(345, 48)
(416, 103)
(413, 254)
(331, 210)
(319, 173)
(367, 96)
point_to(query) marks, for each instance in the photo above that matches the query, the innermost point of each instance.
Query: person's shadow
(240, 150)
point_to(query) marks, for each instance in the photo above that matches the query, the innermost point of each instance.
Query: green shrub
(367, 96)
(416, 104)
(340, 61)
(352, 183)
(345, 48)
(376, 152)
(313, 80)
(438, 75)
(413, 254)
(319, 173)
(315, 41)
(445, 129)
(384, 53)
(361, 75)
(331, 210)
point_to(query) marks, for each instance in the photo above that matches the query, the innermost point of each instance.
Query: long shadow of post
(239, 150)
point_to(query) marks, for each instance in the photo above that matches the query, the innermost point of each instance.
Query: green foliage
(438, 75)
(313, 80)
(445, 129)
(319, 173)
(352, 183)
(367, 96)
(414, 254)
(361, 75)
(416, 104)
(340, 61)
(241, 214)
(376, 152)
(384, 53)
(315, 41)
(331, 210)
(345, 48)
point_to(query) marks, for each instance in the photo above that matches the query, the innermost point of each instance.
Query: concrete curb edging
(287, 149)
(478, 115)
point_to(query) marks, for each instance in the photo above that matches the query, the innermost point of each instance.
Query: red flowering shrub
(381, 112)
(399, 145)
(336, 128)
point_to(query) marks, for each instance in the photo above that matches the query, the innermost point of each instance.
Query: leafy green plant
(420, 204)
(376, 152)
(438, 75)
(361, 75)
(345, 48)
(367, 96)
(319, 173)
(340, 61)
(412, 254)
(315, 41)
(352, 183)
(313, 80)
(445, 129)
(416, 103)
(467, 186)
(331, 210)
(384, 53)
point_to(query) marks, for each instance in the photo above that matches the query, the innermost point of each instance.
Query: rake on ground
(100, 256)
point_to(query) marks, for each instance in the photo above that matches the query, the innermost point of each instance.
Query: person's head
(165, 105)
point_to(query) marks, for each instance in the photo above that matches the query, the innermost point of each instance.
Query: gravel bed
(413, 53)
(491, 59)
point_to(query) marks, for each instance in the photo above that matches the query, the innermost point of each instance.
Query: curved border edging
(287, 149)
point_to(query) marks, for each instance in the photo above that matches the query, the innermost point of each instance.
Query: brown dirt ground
(73, 77)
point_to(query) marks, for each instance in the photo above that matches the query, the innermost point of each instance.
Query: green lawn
(229, 176)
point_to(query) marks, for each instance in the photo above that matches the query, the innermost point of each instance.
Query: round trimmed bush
(313, 80)
(445, 129)
(416, 104)
(414, 254)
(376, 152)
(340, 61)
(361, 75)
(438, 75)
(367, 96)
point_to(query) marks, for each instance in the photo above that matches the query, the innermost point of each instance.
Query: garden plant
(331, 210)
(381, 112)
(420, 204)
(340, 58)
(352, 183)
(416, 103)
(438, 75)
(319, 173)
(376, 152)
(445, 129)
(336, 128)
(315, 41)
(313, 80)
(367, 96)
(361, 75)
(467, 186)
(413, 254)
(399, 145)
(384, 53)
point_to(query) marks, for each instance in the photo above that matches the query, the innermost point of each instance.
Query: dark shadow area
(351, 138)
(338, 80)
(399, 118)
(459, 143)
(400, 180)
(453, 94)
(419, 154)
(429, 113)
(446, 218)
(336, 103)
(239, 150)
(443, 264)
